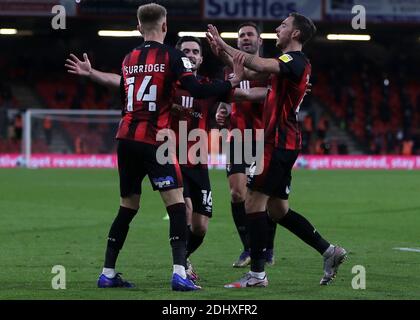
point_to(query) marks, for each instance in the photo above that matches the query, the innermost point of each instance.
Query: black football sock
(241, 222)
(117, 235)
(272, 226)
(258, 239)
(302, 228)
(193, 241)
(178, 232)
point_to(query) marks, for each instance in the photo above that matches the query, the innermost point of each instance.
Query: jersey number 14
(141, 93)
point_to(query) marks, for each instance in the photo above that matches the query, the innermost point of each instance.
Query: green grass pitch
(61, 217)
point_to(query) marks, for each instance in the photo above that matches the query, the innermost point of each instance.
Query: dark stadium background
(355, 112)
(363, 112)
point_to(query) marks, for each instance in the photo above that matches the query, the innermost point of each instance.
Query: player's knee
(172, 196)
(237, 195)
(253, 206)
(277, 213)
(131, 202)
(199, 229)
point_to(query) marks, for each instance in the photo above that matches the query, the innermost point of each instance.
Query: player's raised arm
(84, 68)
(251, 61)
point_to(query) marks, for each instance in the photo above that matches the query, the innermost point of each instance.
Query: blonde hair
(150, 14)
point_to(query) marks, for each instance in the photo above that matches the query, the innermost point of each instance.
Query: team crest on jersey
(186, 62)
(286, 58)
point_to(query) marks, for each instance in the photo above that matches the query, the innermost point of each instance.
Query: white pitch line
(408, 249)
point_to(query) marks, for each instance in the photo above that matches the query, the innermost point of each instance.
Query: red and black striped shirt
(196, 115)
(246, 114)
(282, 104)
(149, 75)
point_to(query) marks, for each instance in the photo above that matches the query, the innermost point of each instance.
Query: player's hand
(238, 65)
(217, 51)
(214, 37)
(221, 116)
(215, 48)
(76, 66)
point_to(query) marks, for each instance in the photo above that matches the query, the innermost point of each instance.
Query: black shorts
(135, 160)
(276, 177)
(233, 166)
(197, 187)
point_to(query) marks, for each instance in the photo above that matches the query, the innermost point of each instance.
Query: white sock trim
(109, 272)
(258, 275)
(180, 270)
(328, 253)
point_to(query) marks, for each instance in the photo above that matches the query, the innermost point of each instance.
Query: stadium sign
(314, 162)
(260, 9)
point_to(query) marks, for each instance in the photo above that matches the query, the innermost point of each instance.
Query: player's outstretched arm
(252, 62)
(83, 68)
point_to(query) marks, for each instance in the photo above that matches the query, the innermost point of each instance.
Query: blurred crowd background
(365, 97)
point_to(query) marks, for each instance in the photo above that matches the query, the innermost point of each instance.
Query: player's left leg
(269, 253)
(131, 173)
(196, 233)
(280, 212)
(278, 208)
(255, 206)
(199, 193)
(175, 206)
(297, 224)
(167, 178)
(116, 238)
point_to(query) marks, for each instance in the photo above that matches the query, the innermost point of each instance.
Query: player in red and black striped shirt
(195, 114)
(148, 83)
(270, 190)
(191, 114)
(245, 115)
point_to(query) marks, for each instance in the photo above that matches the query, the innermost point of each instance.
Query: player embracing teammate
(154, 78)
(269, 191)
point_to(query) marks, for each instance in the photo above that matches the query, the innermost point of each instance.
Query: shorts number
(207, 199)
(141, 93)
